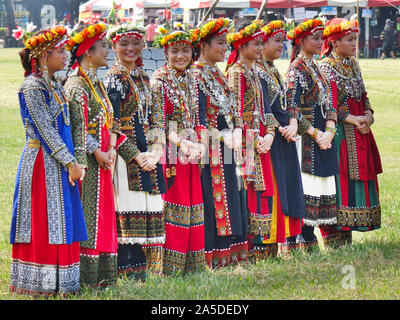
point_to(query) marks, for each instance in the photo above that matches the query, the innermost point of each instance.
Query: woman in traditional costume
(175, 111)
(259, 127)
(285, 161)
(138, 177)
(225, 215)
(358, 206)
(92, 124)
(47, 220)
(310, 101)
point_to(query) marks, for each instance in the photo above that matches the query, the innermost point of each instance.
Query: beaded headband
(126, 30)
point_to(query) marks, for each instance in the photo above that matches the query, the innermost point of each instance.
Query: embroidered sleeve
(157, 118)
(235, 83)
(295, 86)
(35, 101)
(78, 100)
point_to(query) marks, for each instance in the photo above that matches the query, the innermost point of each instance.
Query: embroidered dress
(310, 101)
(176, 108)
(283, 154)
(91, 119)
(47, 220)
(225, 216)
(258, 120)
(358, 203)
(139, 215)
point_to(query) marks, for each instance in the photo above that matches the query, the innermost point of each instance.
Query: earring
(91, 69)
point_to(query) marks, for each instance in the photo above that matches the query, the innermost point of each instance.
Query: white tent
(96, 5)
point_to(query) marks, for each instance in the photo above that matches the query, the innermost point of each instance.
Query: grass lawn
(374, 257)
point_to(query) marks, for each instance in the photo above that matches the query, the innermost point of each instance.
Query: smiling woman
(176, 111)
(138, 177)
(95, 142)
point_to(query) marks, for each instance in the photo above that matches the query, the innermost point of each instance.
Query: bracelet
(331, 129)
(315, 133)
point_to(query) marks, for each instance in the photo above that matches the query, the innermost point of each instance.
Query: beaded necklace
(258, 113)
(218, 92)
(105, 104)
(324, 100)
(143, 97)
(184, 96)
(278, 83)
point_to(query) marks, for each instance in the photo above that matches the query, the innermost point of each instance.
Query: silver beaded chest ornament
(325, 95)
(218, 93)
(184, 94)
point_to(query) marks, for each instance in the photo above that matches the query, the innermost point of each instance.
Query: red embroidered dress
(91, 119)
(174, 109)
(359, 160)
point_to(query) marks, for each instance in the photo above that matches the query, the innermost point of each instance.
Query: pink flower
(18, 33)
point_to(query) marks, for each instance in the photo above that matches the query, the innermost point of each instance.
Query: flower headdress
(236, 39)
(166, 38)
(43, 42)
(80, 42)
(126, 30)
(336, 29)
(305, 28)
(213, 27)
(273, 28)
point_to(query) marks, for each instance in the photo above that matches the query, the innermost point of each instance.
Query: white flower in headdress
(30, 27)
(289, 21)
(322, 18)
(353, 17)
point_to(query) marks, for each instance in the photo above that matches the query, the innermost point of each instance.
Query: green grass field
(374, 257)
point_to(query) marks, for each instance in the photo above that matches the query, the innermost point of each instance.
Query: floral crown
(340, 27)
(166, 38)
(88, 33)
(43, 42)
(126, 29)
(218, 26)
(305, 27)
(274, 26)
(247, 32)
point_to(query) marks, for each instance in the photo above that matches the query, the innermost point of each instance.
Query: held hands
(362, 123)
(290, 132)
(324, 139)
(147, 160)
(264, 144)
(192, 150)
(105, 159)
(76, 172)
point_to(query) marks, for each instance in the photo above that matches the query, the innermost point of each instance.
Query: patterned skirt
(140, 227)
(358, 206)
(184, 222)
(320, 196)
(40, 268)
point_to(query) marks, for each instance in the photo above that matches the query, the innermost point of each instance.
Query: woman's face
(179, 55)
(346, 46)
(99, 53)
(273, 47)
(128, 49)
(253, 50)
(312, 44)
(56, 60)
(216, 50)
